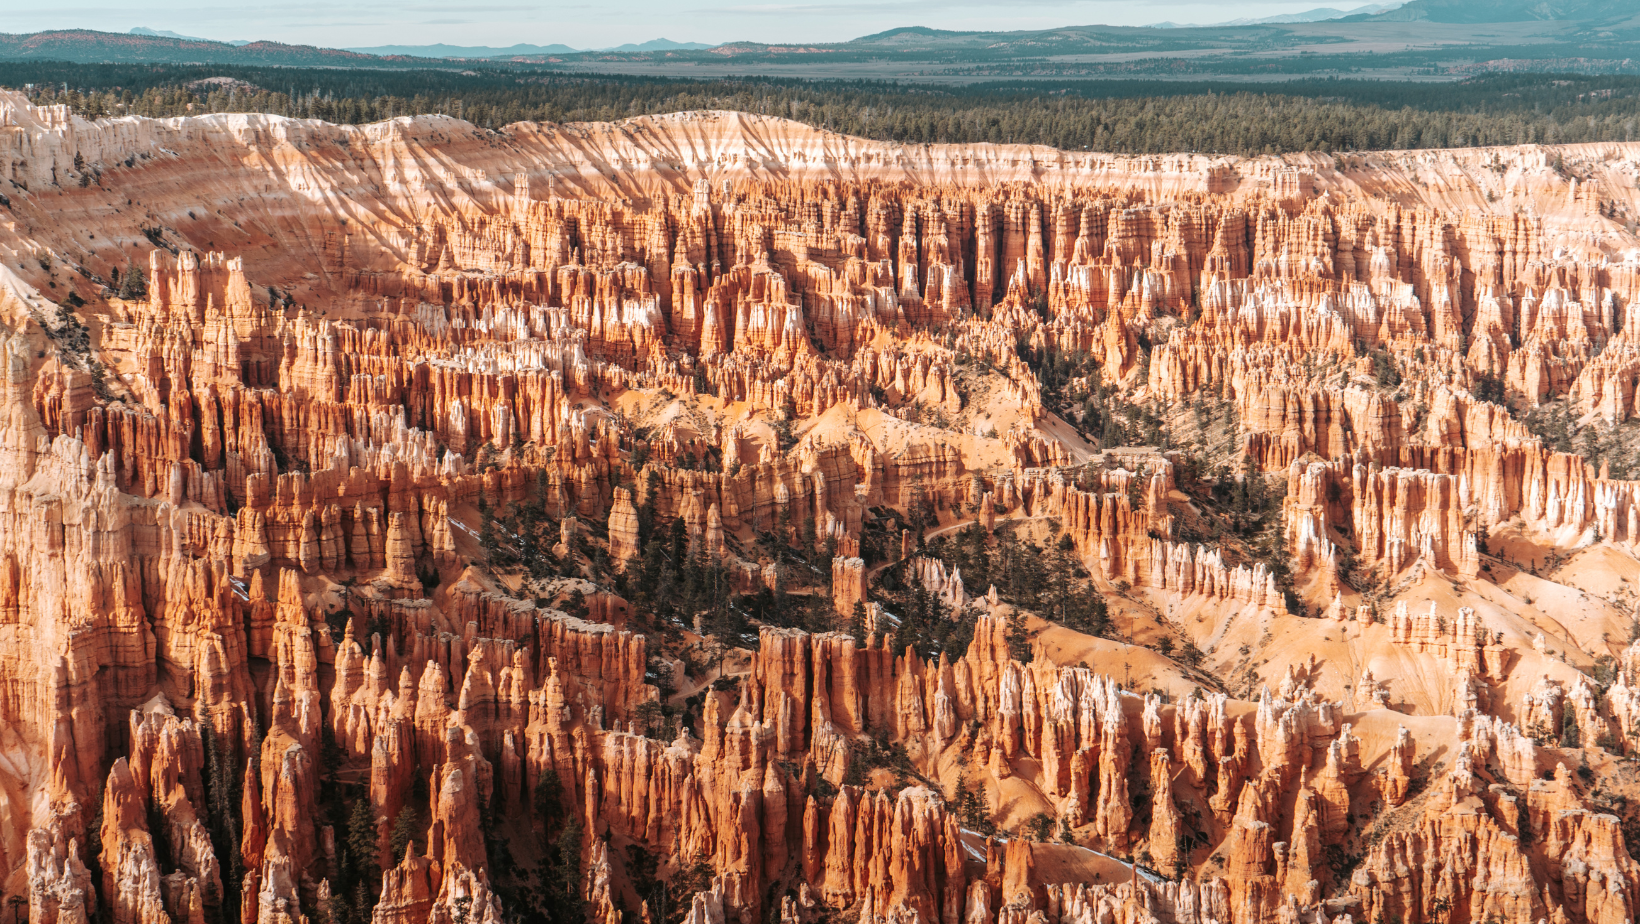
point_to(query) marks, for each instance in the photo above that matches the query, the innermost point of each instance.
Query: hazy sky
(357, 23)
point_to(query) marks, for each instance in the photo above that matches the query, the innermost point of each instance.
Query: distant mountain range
(145, 45)
(485, 51)
(1494, 11)
(88, 46)
(465, 51)
(163, 33)
(1593, 36)
(1321, 14)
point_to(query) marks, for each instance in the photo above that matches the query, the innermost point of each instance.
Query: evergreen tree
(222, 813)
(486, 528)
(361, 839)
(559, 878)
(696, 877)
(404, 831)
(1019, 640)
(133, 285)
(548, 802)
(972, 808)
(363, 905)
(857, 622)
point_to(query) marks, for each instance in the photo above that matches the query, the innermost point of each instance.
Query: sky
(604, 23)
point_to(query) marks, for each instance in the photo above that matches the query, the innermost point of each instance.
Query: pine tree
(363, 906)
(972, 807)
(678, 539)
(575, 604)
(133, 285)
(1019, 640)
(222, 810)
(857, 622)
(404, 831)
(486, 526)
(361, 839)
(549, 804)
(811, 542)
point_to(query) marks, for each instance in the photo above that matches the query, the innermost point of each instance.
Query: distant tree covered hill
(1595, 36)
(93, 47)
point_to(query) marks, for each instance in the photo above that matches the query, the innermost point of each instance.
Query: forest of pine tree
(1120, 116)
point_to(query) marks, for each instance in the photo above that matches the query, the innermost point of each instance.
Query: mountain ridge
(1477, 12)
(92, 46)
(1319, 14)
(522, 48)
(166, 33)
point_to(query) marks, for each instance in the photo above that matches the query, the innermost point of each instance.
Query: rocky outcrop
(848, 583)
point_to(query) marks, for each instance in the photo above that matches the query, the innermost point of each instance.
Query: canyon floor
(707, 518)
